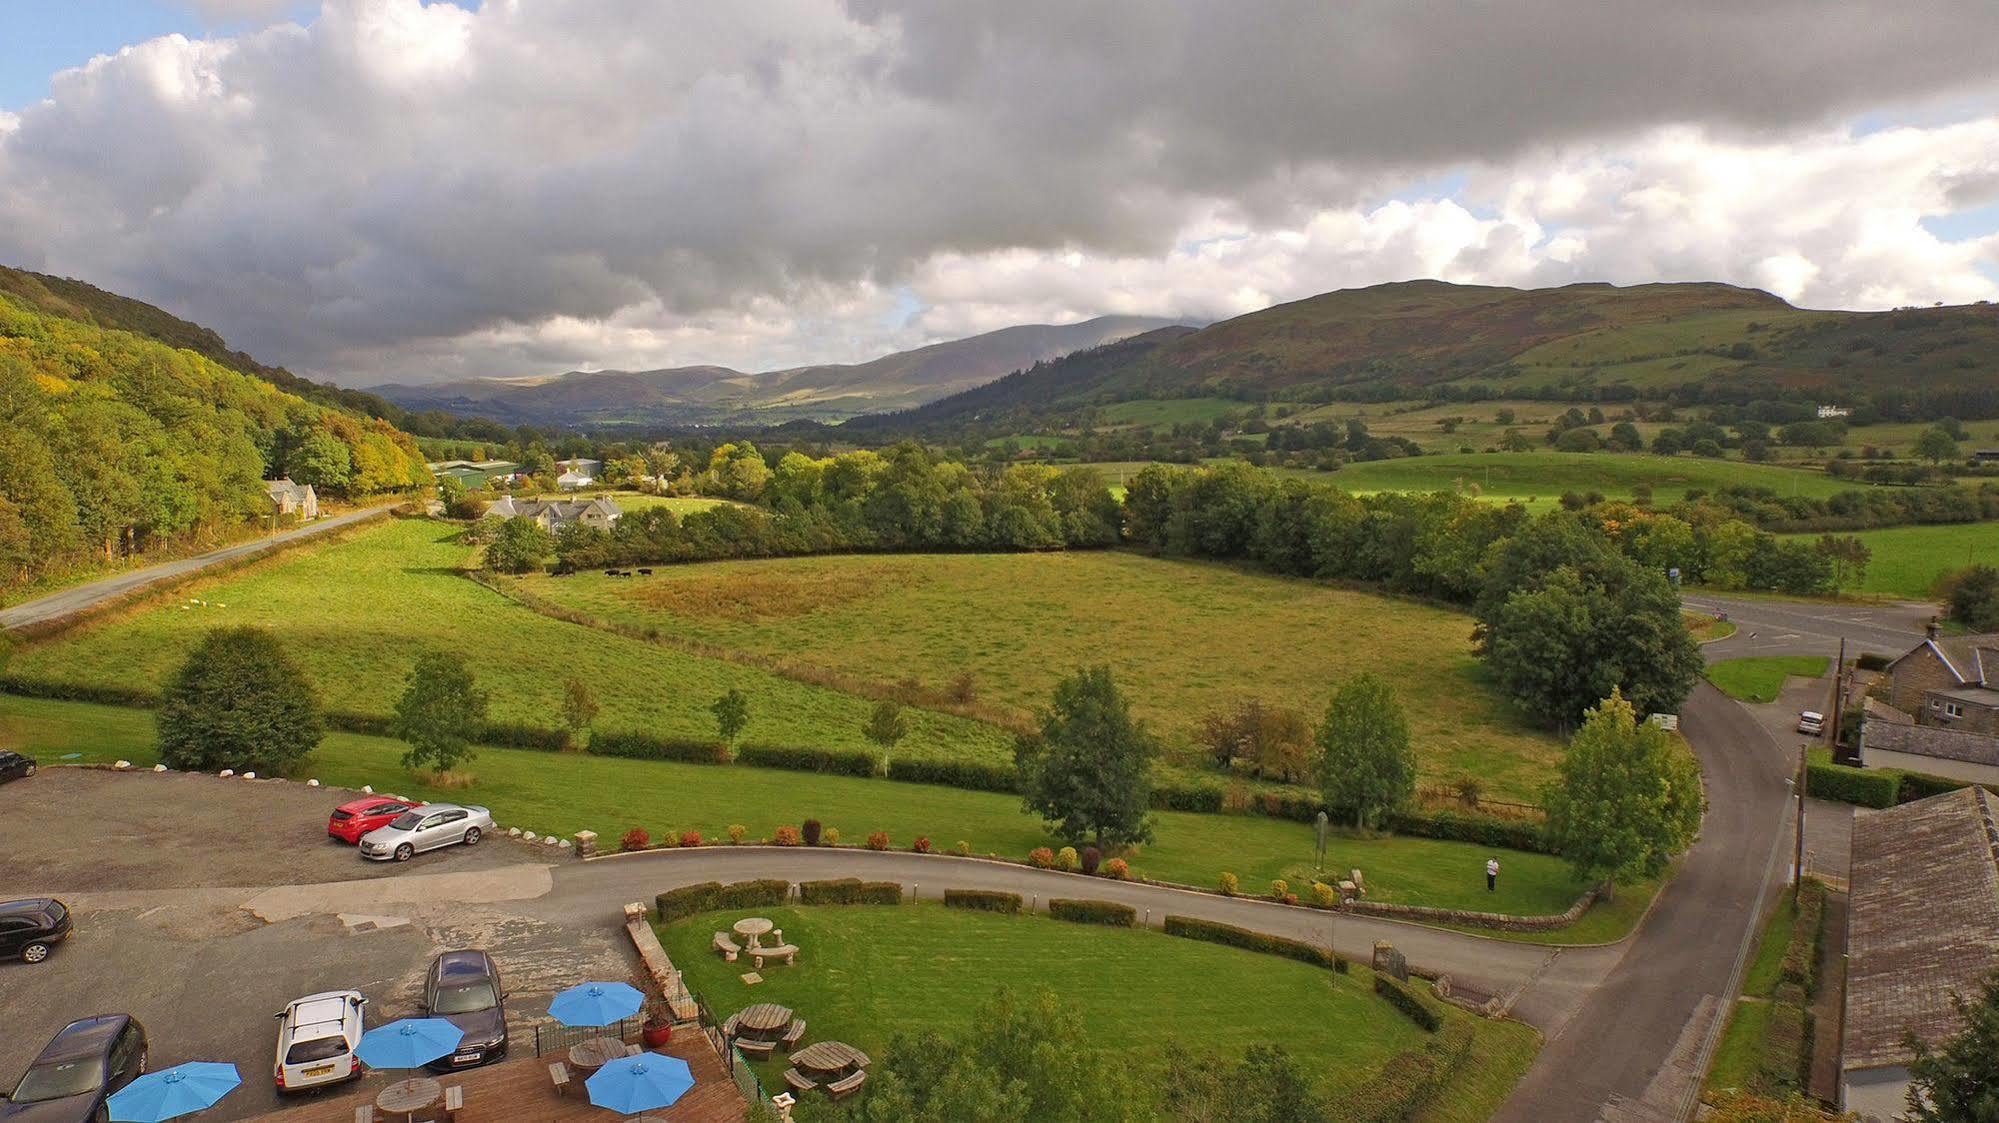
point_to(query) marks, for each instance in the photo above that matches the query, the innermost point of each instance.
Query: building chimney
(1931, 627)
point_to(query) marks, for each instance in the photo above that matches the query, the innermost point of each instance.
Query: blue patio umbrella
(173, 1092)
(641, 1083)
(408, 1042)
(596, 1004)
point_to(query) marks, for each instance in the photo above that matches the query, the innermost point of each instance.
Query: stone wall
(1498, 921)
(1918, 671)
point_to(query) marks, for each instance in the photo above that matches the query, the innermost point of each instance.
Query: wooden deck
(518, 1091)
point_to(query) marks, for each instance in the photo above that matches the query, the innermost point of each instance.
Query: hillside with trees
(112, 443)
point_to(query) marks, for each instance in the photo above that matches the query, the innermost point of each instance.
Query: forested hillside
(112, 443)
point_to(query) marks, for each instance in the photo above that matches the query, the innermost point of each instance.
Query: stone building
(1950, 681)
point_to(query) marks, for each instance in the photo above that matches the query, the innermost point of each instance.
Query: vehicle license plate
(316, 1070)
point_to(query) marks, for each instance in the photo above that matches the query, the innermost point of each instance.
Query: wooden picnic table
(405, 1098)
(753, 928)
(830, 1056)
(763, 1018)
(595, 1053)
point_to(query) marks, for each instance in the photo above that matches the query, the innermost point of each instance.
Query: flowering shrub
(736, 833)
(1227, 884)
(921, 845)
(668, 839)
(963, 848)
(635, 839)
(832, 836)
(812, 831)
(1041, 858)
(1092, 858)
(1278, 889)
(1065, 858)
(786, 836)
(1322, 894)
(1290, 898)
(1117, 870)
(690, 838)
(878, 840)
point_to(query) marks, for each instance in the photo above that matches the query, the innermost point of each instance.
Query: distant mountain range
(1584, 342)
(711, 395)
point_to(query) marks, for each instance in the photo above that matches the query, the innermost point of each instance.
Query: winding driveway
(92, 594)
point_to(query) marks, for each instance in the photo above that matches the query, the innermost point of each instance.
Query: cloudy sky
(375, 190)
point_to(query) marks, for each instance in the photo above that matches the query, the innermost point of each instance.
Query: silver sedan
(426, 827)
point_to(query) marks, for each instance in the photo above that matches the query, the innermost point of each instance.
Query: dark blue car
(78, 1070)
(15, 766)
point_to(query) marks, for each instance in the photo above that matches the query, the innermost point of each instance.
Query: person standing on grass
(1491, 874)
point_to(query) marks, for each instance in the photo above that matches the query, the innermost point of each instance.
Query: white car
(426, 827)
(1811, 721)
(317, 1036)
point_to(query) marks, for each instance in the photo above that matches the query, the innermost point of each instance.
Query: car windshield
(407, 821)
(318, 1049)
(60, 1079)
(468, 999)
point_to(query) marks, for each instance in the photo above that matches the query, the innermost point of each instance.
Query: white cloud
(402, 190)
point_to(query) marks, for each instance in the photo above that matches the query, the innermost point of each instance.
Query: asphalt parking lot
(204, 905)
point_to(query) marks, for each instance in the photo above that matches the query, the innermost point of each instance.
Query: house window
(1952, 709)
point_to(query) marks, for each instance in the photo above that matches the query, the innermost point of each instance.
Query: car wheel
(34, 953)
(404, 851)
(30, 771)
(472, 837)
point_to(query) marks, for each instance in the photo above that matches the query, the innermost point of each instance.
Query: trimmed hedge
(761, 893)
(1922, 785)
(1214, 932)
(1411, 1079)
(1093, 912)
(1510, 834)
(849, 891)
(1411, 1006)
(982, 900)
(973, 775)
(1187, 797)
(633, 745)
(1868, 787)
(688, 900)
(809, 758)
(1801, 953)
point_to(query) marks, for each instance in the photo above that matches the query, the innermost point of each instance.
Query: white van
(1812, 722)
(317, 1036)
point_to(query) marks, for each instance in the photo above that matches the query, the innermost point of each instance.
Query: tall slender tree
(1088, 771)
(1627, 799)
(1366, 768)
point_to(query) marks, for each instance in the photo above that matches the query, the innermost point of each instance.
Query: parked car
(1812, 722)
(32, 928)
(426, 827)
(463, 988)
(317, 1036)
(78, 1069)
(15, 766)
(355, 818)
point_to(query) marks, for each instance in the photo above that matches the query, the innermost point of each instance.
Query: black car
(78, 1070)
(14, 766)
(32, 928)
(463, 988)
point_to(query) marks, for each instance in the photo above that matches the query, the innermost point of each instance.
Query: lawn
(1184, 638)
(1759, 678)
(357, 613)
(1908, 559)
(1746, 1055)
(867, 973)
(561, 793)
(679, 504)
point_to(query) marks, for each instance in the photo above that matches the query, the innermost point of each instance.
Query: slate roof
(559, 510)
(1924, 924)
(279, 489)
(1940, 742)
(1973, 659)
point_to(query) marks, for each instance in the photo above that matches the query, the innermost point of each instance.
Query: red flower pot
(655, 1036)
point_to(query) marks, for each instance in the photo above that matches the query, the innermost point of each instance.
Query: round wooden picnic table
(405, 1098)
(829, 1056)
(753, 928)
(595, 1053)
(764, 1017)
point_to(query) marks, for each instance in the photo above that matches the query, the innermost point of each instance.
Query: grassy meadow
(868, 973)
(356, 614)
(1758, 678)
(1183, 638)
(562, 793)
(1546, 475)
(1908, 559)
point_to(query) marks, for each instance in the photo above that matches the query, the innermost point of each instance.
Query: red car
(350, 821)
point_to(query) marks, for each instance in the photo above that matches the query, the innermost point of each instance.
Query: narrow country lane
(91, 594)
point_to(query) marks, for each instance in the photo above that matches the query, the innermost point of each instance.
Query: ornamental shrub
(668, 839)
(982, 900)
(1117, 870)
(1092, 858)
(690, 838)
(1323, 895)
(831, 836)
(635, 839)
(1279, 889)
(736, 833)
(1093, 912)
(785, 836)
(1065, 858)
(921, 845)
(811, 830)
(1227, 884)
(878, 840)
(963, 848)
(1041, 858)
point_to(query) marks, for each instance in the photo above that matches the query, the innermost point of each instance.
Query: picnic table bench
(793, 1035)
(847, 1086)
(454, 1102)
(799, 1081)
(726, 946)
(559, 1075)
(761, 1050)
(786, 952)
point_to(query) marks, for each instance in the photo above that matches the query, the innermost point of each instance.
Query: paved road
(78, 598)
(1779, 627)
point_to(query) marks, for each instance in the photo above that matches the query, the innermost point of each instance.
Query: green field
(866, 973)
(1908, 559)
(679, 504)
(1758, 678)
(357, 613)
(1183, 637)
(1546, 475)
(1169, 411)
(562, 793)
